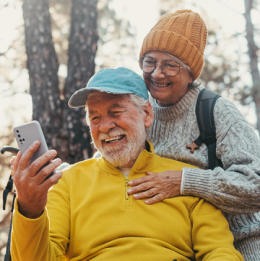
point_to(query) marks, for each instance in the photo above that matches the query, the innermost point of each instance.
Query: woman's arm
(233, 189)
(236, 187)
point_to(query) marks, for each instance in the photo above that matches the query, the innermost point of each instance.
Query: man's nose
(157, 72)
(106, 124)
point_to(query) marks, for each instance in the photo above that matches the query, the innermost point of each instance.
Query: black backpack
(205, 118)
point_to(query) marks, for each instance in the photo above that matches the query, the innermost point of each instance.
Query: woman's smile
(160, 84)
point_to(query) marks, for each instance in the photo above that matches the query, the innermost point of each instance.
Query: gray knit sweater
(235, 189)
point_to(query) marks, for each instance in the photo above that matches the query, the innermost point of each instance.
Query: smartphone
(27, 134)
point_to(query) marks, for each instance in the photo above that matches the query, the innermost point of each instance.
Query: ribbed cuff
(197, 183)
(182, 181)
(249, 248)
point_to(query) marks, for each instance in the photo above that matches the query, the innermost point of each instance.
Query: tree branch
(228, 7)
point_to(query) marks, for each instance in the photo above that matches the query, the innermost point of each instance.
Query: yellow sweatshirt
(90, 216)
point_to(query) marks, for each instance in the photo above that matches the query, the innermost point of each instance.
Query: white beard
(126, 154)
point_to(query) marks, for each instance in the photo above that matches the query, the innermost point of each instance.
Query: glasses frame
(156, 64)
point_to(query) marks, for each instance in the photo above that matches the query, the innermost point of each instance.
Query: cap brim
(79, 98)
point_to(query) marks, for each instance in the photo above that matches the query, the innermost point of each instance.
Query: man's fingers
(12, 160)
(52, 180)
(47, 170)
(17, 160)
(140, 188)
(41, 161)
(26, 157)
(155, 199)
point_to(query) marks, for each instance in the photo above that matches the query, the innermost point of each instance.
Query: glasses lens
(147, 64)
(170, 68)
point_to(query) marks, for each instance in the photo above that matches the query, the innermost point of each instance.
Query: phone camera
(20, 140)
(23, 139)
(17, 131)
(19, 135)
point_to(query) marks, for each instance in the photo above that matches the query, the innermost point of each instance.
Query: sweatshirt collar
(146, 161)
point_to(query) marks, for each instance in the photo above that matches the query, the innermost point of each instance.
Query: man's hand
(156, 186)
(31, 186)
(12, 162)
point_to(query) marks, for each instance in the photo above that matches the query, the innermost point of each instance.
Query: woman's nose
(157, 72)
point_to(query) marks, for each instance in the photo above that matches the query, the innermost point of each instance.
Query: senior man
(89, 215)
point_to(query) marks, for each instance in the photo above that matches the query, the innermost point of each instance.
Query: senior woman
(171, 58)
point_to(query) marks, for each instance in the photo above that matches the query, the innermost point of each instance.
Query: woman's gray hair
(194, 83)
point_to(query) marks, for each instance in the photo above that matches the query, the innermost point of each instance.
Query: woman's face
(167, 90)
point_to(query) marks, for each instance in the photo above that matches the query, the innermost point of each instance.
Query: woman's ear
(148, 117)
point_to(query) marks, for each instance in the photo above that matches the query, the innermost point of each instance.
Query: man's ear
(148, 117)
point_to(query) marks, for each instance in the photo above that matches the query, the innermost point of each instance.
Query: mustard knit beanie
(182, 34)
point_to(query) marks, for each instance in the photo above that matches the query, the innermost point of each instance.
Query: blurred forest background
(49, 49)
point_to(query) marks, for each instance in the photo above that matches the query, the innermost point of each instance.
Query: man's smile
(113, 139)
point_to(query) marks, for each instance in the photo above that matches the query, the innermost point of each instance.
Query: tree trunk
(42, 65)
(65, 129)
(81, 66)
(252, 52)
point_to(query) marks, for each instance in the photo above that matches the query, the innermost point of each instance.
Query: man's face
(117, 128)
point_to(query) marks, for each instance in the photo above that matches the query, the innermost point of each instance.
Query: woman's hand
(156, 186)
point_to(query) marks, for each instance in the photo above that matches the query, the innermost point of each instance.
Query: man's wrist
(32, 214)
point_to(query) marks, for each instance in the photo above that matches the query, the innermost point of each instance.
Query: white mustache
(112, 133)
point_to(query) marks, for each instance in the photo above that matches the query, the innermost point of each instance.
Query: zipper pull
(126, 188)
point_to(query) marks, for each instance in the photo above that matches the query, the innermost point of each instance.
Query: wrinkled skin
(31, 186)
(156, 186)
(12, 161)
(167, 184)
(177, 85)
(118, 117)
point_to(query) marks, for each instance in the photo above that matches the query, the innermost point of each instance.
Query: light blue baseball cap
(117, 81)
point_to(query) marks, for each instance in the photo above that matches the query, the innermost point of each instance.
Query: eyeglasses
(168, 67)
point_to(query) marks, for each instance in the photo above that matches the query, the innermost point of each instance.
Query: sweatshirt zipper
(126, 188)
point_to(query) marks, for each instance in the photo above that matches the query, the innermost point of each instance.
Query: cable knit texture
(235, 189)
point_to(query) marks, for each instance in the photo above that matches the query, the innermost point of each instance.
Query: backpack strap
(205, 118)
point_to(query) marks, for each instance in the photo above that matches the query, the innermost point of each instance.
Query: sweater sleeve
(235, 188)
(211, 237)
(39, 239)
